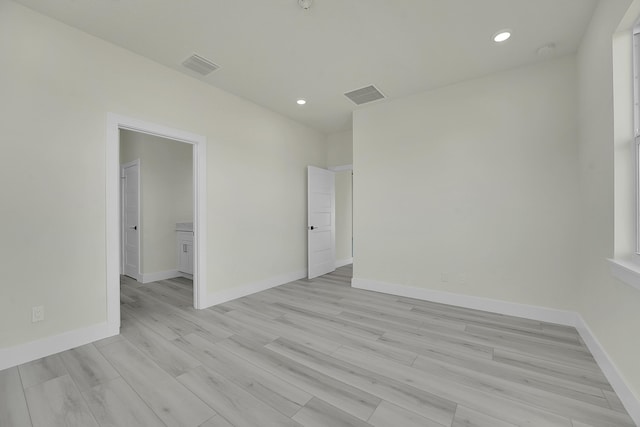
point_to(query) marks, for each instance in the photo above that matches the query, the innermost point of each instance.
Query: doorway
(344, 214)
(116, 123)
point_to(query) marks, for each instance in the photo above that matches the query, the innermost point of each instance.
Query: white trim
(636, 184)
(114, 124)
(160, 275)
(625, 271)
(543, 314)
(252, 288)
(344, 262)
(477, 303)
(341, 168)
(626, 396)
(23, 353)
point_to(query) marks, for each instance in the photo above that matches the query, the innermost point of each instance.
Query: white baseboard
(160, 275)
(543, 314)
(344, 262)
(629, 400)
(533, 312)
(23, 353)
(252, 288)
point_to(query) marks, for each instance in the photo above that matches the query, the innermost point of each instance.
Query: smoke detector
(547, 50)
(305, 4)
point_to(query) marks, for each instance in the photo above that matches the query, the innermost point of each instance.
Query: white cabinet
(185, 250)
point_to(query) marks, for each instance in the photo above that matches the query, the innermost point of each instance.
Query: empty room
(320, 213)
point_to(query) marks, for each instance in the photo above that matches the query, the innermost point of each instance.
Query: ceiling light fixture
(305, 4)
(502, 36)
(301, 101)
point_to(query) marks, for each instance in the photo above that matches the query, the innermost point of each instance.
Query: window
(624, 268)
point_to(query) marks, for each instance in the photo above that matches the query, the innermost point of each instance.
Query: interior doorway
(344, 214)
(115, 124)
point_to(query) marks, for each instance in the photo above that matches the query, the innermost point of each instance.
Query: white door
(321, 221)
(130, 174)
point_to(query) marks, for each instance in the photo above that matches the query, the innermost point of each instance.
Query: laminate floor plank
(216, 421)
(337, 338)
(263, 385)
(115, 404)
(575, 349)
(253, 307)
(58, 403)
(348, 398)
(42, 370)
(165, 294)
(551, 402)
(155, 347)
(170, 400)
(472, 315)
(427, 342)
(334, 323)
(186, 290)
(313, 353)
(388, 414)
(87, 366)
(318, 413)
(548, 383)
(466, 417)
(427, 404)
(13, 406)
(614, 401)
(552, 367)
(281, 329)
(487, 402)
(387, 325)
(233, 403)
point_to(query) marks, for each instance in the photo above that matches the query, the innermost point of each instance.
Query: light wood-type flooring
(313, 353)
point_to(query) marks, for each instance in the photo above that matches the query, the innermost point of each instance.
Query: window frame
(635, 257)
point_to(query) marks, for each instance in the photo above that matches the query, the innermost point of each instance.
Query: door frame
(123, 166)
(344, 168)
(116, 122)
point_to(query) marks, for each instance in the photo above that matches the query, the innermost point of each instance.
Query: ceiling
(273, 52)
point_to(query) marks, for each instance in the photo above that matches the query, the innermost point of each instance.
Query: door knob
(135, 227)
(311, 227)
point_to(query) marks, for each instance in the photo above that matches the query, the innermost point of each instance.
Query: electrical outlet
(444, 277)
(37, 314)
(462, 279)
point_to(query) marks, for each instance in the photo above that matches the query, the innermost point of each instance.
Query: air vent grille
(364, 95)
(200, 65)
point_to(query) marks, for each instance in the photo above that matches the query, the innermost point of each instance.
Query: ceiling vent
(364, 95)
(200, 65)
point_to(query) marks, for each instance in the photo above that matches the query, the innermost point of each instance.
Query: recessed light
(301, 101)
(502, 36)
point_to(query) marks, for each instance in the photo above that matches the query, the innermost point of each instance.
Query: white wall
(166, 181)
(610, 308)
(476, 184)
(340, 148)
(57, 86)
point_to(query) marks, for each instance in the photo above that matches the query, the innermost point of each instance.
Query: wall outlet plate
(37, 314)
